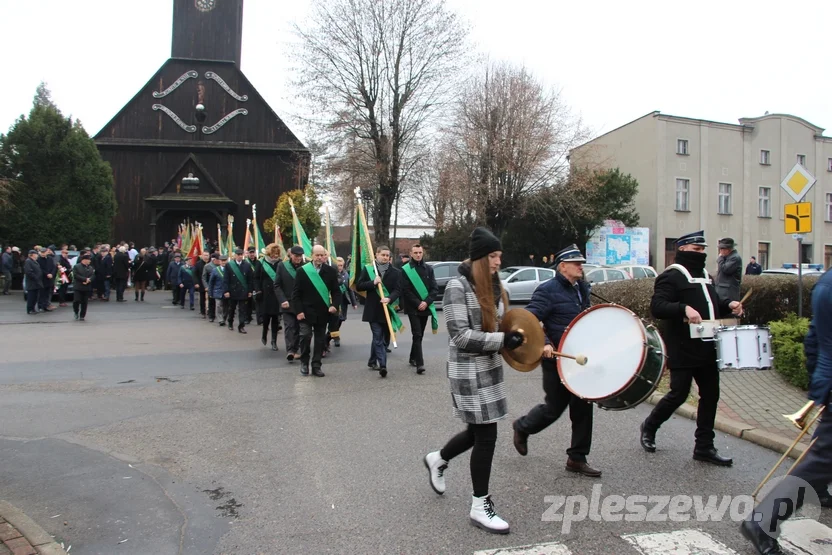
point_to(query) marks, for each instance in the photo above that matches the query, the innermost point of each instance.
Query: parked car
(638, 271)
(790, 269)
(521, 281)
(443, 272)
(600, 275)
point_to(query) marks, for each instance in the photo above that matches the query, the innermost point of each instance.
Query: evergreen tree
(60, 188)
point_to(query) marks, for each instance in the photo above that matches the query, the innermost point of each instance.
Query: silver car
(521, 281)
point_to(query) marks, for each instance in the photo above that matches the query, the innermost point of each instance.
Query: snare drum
(625, 358)
(743, 347)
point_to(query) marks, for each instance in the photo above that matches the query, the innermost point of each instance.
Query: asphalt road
(149, 430)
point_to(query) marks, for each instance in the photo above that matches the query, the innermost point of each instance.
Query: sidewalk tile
(8, 532)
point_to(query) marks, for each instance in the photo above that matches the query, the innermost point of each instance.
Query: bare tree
(512, 134)
(378, 71)
(443, 189)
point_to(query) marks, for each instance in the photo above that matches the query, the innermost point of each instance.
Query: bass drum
(625, 358)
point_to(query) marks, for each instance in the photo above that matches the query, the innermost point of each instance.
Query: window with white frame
(683, 195)
(801, 159)
(724, 198)
(765, 202)
(682, 146)
(829, 207)
(765, 157)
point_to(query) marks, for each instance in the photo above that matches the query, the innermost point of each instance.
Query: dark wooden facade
(201, 120)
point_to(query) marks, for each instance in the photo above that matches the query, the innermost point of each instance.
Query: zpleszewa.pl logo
(789, 494)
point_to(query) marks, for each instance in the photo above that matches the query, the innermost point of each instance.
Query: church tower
(208, 30)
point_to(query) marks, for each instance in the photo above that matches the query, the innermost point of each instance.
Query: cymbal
(527, 356)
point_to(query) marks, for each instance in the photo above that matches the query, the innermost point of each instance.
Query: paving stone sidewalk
(20, 535)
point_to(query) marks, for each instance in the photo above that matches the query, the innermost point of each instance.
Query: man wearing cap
(284, 285)
(556, 303)
(683, 295)
(34, 281)
(238, 282)
(172, 276)
(253, 303)
(729, 271)
(83, 275)
(201, 281)
(50, 270)
(315, 297)
(216, 285)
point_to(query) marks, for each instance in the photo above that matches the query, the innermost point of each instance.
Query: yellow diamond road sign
(798, 182)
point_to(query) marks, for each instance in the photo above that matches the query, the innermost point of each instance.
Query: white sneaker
(436, 471)
(483, 516)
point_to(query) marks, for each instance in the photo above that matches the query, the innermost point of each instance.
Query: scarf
(693, 261)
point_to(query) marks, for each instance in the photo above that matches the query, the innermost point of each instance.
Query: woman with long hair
(143, 270)
(473, 305)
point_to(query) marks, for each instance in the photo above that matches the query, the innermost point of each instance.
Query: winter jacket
(144, 268)
(104, 269)
(285, 284)
(80, 273)
(270, 306)
(238, 290)
(121, 265)
(187, 276)
(216, 283)
(7, 262)
(410, 298)
(556, 303)
(207, 270)
(392, 281)
(820, 382)
(34, 275)
(729, 276)
(172, 275)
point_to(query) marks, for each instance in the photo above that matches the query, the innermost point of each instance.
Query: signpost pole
(799, 276)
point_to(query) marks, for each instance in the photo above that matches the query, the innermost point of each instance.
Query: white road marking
(538, 549)
(806, 536)
(680, 542)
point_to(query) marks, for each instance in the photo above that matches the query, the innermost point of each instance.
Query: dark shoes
(274, 346)
(582, 468)
(520, 440)
(263, 340)
(648, 440)
(710, 455)
(762, 542)
(337, 342)
(304, 369)
(420, 370)
(317, 372)
(382, 372)
(290, 356)
(242, 330)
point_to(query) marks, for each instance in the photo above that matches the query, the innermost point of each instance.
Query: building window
(762, 255)
(683, 195)
(829, 207)
(801, 159)
(765, 157)
(682, 146)
(827, 256)
(765, 202)
(724, 198)
(829, 164)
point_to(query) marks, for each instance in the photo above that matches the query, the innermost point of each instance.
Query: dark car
(443, 272)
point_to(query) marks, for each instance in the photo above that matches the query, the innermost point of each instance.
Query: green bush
(774, 297)
(787, 338)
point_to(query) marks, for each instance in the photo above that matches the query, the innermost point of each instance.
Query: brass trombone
(802, 422)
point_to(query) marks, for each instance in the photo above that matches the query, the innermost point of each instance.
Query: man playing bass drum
(684, 295)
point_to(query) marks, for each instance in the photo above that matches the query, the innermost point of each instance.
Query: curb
(19, 532)
(775, 442)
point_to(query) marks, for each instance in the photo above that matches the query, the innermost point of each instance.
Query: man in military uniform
(684, 295)
(238, 282)
(556, 303)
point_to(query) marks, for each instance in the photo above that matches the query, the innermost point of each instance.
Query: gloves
(513, 339)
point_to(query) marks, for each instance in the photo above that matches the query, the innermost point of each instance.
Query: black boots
(142, 298)
(648, 440)
(711, 456)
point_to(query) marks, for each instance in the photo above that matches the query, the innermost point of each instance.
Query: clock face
(205, 5)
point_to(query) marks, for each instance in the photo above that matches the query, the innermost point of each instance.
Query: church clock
(205, 5)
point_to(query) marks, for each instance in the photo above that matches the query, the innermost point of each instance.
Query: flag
(299, 234)
(195, 251)
(258, 238)
(278, 238)
(361, 253)
(220, 243)
(230, 239)
(247, 240)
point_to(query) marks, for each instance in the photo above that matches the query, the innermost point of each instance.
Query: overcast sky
(613, 60)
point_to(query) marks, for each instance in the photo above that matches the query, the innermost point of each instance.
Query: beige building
(723, 178)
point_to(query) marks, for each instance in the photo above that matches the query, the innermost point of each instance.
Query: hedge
(774, 297)
(787, 344)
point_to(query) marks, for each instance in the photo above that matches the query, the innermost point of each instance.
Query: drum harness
(703, 281)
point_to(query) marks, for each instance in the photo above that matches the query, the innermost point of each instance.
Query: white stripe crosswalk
(798, 537)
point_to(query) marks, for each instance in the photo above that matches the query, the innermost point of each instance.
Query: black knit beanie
(483, 242)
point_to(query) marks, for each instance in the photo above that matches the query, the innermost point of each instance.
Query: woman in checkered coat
(473, 305)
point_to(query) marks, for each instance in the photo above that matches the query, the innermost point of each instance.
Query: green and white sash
(235, 268)
(422, 290)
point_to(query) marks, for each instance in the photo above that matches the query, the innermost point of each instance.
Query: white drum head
(612, 338)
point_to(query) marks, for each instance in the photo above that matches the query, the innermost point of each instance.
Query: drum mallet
(580, 359)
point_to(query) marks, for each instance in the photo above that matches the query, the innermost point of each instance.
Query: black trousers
(121, 285)
(175, 293)
(291, 331)
(238, 305)
(44, 296)
(79, 302)
(481, 438)
(202, 301)
(334, 328)
(212, 308)
(272, 320)
(307, 330)
(816, 470)
(558, 397)
(62, 293)
(418, 323)
(707, 378)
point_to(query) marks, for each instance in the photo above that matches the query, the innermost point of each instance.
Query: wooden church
(198, 141)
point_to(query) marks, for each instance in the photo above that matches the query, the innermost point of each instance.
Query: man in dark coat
(753, 269)
(64, 273)
(729, 271)
(172, 276)
(264, 278)
(6, 265)
(188, 281)
(253, 303)
(207, 270)
(375, 306)
(315, 297)
(238, 283)
(556, 303)
(162, 259)
(683, 294)
(216, 285)
(121, 271)
(104, 272)
(50, 270)
(284, 285)
(419, 291)
(83, 276)
(34, 282)
(200, 284)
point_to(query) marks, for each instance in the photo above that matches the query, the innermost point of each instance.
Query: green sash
(391, 307)
(290, 269)
(422, 290)
(316, 280)
(188, 271)
(220, 270)
(235, 268)
(269, 270)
